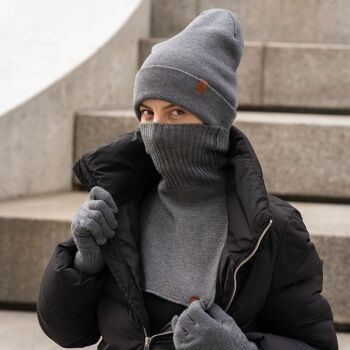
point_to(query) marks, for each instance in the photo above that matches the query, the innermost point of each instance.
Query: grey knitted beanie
(196, 69)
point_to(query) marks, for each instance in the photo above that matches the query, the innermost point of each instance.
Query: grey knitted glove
(196, 329)
(93, 223)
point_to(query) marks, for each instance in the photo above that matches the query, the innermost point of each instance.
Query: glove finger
(98, 217)
(79, 223)
(99, 237)
(195, 310)
(180, 331)
(177, 327)
(174, 321)
(184, 343)
(218, 314)
(100, 193)
(78, 218)
(88, 226)
(186, 322)
(107, 215)
(98, 227)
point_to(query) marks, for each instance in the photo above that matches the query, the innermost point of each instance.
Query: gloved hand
(196, 329)
(92, 225)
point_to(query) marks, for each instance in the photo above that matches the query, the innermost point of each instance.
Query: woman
(179, 246)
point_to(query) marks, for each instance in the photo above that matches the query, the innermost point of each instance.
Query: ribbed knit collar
(187, 156)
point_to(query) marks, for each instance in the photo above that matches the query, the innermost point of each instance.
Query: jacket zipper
(149, 339)
(244, 261)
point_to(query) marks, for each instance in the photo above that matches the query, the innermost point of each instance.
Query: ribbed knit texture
(186, 155)
(184, 220)
(89, 262)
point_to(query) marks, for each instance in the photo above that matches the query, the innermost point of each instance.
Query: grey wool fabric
(213, 329)
(184, 221)
(93, 224)
(196, 68)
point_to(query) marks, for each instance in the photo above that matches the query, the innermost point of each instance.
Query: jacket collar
(124, 169)
(248, 201)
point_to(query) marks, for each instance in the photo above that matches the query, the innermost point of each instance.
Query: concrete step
(310, 152)
(32, 337)
(303, 21)
(31, 227)
(288, 75)
(20, 330)
(96, 127)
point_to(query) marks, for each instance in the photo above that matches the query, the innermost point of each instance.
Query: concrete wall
(317, 21)
(36, 138)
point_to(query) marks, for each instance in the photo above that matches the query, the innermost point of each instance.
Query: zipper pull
(147, 339)
(147, 342)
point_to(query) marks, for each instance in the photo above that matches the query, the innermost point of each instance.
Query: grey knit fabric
(198, 328)
(93, 224)
(196, 68)
(184, 220)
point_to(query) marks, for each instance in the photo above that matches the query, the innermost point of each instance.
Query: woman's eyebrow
(165, 107)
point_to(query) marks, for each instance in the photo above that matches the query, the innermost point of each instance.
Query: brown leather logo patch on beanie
(201, 86)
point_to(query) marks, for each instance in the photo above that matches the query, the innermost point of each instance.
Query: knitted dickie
(183, 221)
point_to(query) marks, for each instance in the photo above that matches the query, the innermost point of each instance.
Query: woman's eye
(179, 111)
(142, 113)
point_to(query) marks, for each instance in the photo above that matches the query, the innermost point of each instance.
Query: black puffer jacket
(269, 278)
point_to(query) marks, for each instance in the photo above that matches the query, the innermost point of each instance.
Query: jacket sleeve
(66, 305)
(295, 315)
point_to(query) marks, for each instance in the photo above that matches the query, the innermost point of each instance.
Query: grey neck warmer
(184, 220)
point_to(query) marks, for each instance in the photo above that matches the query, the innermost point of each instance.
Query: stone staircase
(294, 107)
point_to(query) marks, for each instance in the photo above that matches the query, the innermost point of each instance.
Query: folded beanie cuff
(184, 90)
